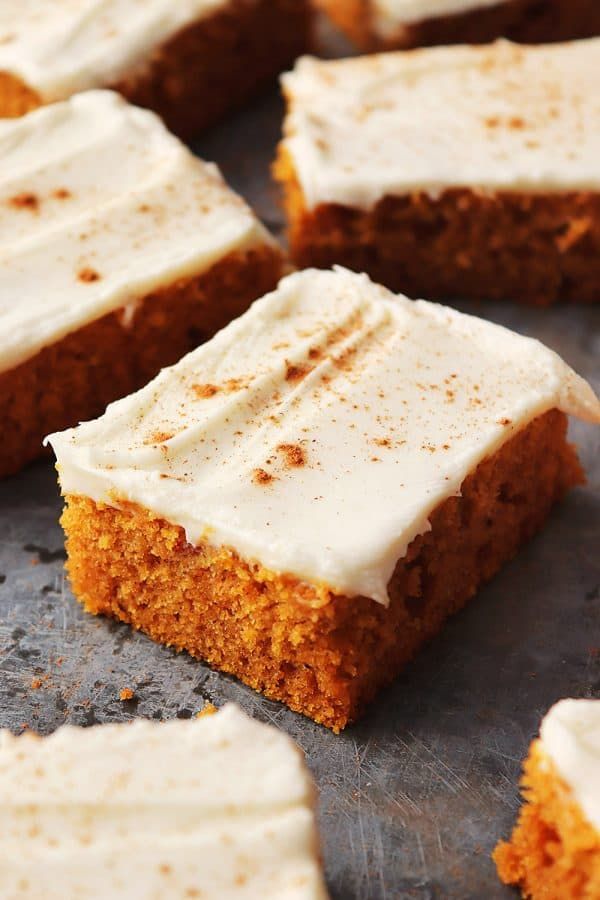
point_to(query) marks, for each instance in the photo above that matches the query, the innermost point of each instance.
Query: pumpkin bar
(220, 807)
(448, 173)
(190, 61)
(119, 252)
(306, 498)
(554, 851)
(402, 24)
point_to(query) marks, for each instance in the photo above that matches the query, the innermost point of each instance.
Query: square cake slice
(401, 24)
(119, 252)
(221, 808)
(191, 61)
(451, 172)
(305, 499)
(554, 851)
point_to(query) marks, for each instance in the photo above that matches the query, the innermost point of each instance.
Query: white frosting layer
(95, 189)
(60, 47)
(570, 736)
(390, 15)
(218, 807)
(500, 117)
(366, 411)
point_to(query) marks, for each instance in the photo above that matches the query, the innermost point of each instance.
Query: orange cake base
(554, 852)
(527, 21)
(76, 377)
(322, 654)
(531, 248)
(205, 70)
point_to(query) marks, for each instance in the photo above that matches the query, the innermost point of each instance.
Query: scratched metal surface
(414, 798)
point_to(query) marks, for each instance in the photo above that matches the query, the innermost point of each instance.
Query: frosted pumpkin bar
(119, 252)
(220, 808)
(190, 60)
(304, 500)
(391, 24)
(450, 172)
(554, 851)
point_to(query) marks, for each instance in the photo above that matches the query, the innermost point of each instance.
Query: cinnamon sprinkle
(88, 275)
(259, 476)
(26, 200)
(295, 456)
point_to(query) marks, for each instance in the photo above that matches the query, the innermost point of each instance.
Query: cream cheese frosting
(99, 206)
(502, 117)
(62, 47)
(391, 15)
(570, 738)
(218, 807)
(318, 432)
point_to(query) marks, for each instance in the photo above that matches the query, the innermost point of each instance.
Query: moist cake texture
(217, 807)
(401, 24)
(377, 178)
(190, 61)
(554, 851)
(120, 251)
(285, 499)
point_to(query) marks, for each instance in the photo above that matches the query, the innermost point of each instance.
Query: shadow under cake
(303, 501)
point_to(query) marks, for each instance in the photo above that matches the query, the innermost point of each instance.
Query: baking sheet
(414, 798)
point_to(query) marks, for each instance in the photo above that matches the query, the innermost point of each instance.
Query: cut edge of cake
(322, 650)
(439, 231)
(556, 840)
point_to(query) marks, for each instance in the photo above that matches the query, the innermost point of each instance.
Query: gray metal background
(414, 798)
